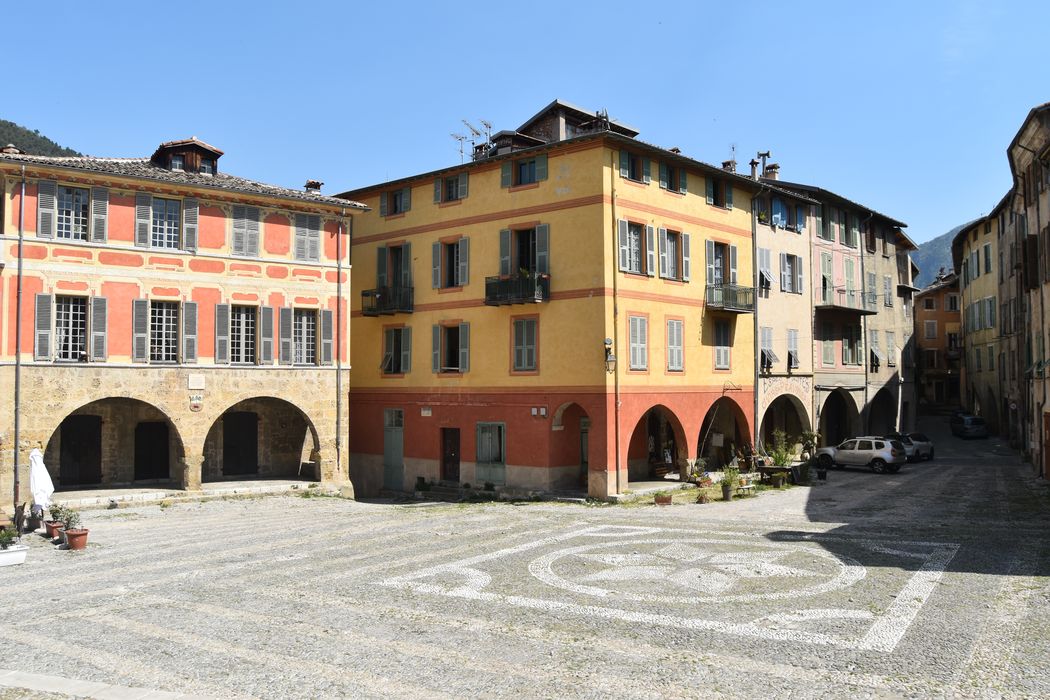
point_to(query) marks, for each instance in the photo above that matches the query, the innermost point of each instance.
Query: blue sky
(905, 106)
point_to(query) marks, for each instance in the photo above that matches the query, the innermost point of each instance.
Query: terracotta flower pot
(663, 499)
(52, 527)
(77, 539)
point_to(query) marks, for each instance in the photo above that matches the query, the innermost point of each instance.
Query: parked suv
(880, 454)
(916, 445)
(969, 426)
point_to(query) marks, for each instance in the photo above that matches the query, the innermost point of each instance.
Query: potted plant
(54, 525)
(778, 479)
(702, 497)
(809, 439)
(730, 479)
(822, 472)
(76, 536)
(11, 553)
(662, 499)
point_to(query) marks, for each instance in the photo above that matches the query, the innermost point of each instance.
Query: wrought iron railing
(387, 300)
(731, 297)
(531, 288)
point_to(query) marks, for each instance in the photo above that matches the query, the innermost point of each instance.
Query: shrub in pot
(11, 553)
(55, 524)
(730, 479)
(76, 536)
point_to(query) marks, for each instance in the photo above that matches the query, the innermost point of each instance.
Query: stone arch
(838, 417)
(116, 440)
(724, 433)
(786, 412)
(571, 446)
(657, 445)
(882, 413)
(262, 437)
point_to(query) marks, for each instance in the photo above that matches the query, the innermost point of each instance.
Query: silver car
(923, 446)
(878, 453)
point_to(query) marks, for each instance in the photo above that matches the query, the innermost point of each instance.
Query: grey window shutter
(251, 230)
(46, 208)
(543, 254)
(504, 252)
(44, 328)
(661, 240)
(301, 235)
(222, 334)
(143, 219)
(783, 273)
(625, 164)
(406, 198)
(435, 349)
(327, 337)
(438, 186)
(732, 264)
(505, 174)
(190, 211)
(650, 251)
(464, 347)
(798, 274)
(266, 336)
(381, 260)
(541, 167)
(238, 245)
(686, 266)
(464, 262)
(406, 350)
(189, 331)
(729, 195)
(645, 171)
(99, 214)
(710, 190)
(710, 251)
(663, 175)
(817, 222)
(435, 266)
(284, 332)
(98, 329)
(683, 185)
(383, 207)
(625, 248)
(313, 251)
(406, 265)
(463, 184)
(140, 330)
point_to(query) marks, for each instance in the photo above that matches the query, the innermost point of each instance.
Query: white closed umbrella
(40, 484)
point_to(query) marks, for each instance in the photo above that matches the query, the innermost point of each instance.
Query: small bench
(745, 488)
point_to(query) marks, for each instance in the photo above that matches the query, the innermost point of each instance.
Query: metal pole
(339, 345)
(18, 348)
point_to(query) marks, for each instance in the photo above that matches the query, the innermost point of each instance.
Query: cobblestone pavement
(929, 583)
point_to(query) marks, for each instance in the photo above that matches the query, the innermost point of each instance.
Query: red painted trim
(122, 259)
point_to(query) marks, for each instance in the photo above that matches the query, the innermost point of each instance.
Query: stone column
(687, 469)
(191, 467)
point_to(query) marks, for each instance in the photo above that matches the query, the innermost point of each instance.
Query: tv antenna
(488, 129)
(461, 138)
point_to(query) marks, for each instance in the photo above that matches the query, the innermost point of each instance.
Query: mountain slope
(31, 141)
(933, 255)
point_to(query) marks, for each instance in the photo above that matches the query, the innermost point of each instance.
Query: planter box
(15, 554)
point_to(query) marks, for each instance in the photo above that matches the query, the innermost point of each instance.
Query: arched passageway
(786, 413)
(724, 435)
(115, 441)
(260, 438)
(882, 413)
(570, 446)
(838, 418)
(658, 446)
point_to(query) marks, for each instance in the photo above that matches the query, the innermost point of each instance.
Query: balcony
(730, 297)
(532, 288)
(386, 301)
(849, 300)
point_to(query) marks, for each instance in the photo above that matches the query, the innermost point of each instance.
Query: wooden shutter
(406, 350)
(683, 186)
(313, 249)
(828, 349)
(189, 331)
(729, 195)
(190, 214)
(643, 342)
(266, 336)
(439, 185)
(251, 231)
(732, 264)
(543, 249)
(327, 337)
(222, 334)
(46, 208)
(435, 266)
(650, 251)
(383, 207)
(710, 190)
(506, 172)
(632, 326)
(435, 348)
(709, 246)
(624, 244)
(798, 274)
(818, 220)
(464, 183)
(625, 164)
(98, 350)
(800, 218)
(406, 266)
(143, 219)
(504, 252)
(686, 258)
(381, 262)
(663, 175)
(661, 241)
(463, 274)
(140, 330)
(301, 235)
(464, 347)
(783, 272)
(406, 199)
(99, 214)
(285, 317)
(541, 167)
(44, 327)
(646, 178)
(237, 245)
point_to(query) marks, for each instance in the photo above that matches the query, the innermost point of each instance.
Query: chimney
(773, 171)
(313, 186)
(754, 169)
(676, 150)
(729, 166)
(10, 148)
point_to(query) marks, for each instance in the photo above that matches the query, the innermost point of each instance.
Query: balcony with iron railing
(850, 300)
(529, 288)
(387, 300)
(730, 297)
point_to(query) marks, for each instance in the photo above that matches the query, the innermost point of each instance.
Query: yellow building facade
(981, 272)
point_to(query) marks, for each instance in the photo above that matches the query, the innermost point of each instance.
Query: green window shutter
(650, 251)
(661, 241)
(541, 167)
(710, 190)
(406, 350)
(237, 245)
(645, 171)
(463, 276)
(406, 265)
(683, 185)
(439, 185)
(435, 349)
(625, 164)
(383, 206)
(99, 214)
(818, 222)
(266, 336)
(623, 243)
(46, 208)
(190, 215)
(732, 264)
(729, 195)
(43, 328)
(386, 366)
(222, 334)
(189, 331)
(302, 233)
(663, 175)
(504, 252)
(686, 266)
(99, 349)
(506, 174)
(464, 347)
(381, 262)
(285, 328)
(709, 249)
(327, 336)
(845, 345)
(519, 340)
(435, 266)
(143, 220)
(406, 199)
(140, 330)
(251, 230)
(463, 185)
(543, 249)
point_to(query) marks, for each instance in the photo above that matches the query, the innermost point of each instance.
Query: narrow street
(929, 583)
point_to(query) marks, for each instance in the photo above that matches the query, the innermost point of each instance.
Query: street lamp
(610, 359)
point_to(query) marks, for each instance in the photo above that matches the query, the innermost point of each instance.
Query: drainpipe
(614, 169)
(339, 345)
(864, 340)
(18, 344)
(757, 359)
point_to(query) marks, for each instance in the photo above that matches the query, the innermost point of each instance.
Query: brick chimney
(729, 166)
(10, 148)
(772, 171)
(313, 186)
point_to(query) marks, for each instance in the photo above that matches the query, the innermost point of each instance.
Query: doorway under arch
(658, 447)
(259, 438)
(839, 418)
(882, 413)
(724, 435)
(570, 447)
(786, 413)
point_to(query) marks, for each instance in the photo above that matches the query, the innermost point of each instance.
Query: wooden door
(151, 451)
(240, 443)
(80, 459)
(394, 449)
(450, 454)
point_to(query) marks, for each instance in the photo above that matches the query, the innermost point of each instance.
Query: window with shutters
(793, 357)
(398, 201)
(930, 304)
(245, 231)
(523, 171)
(165, 229)
(450, 189)
(721, 263)
(767, 355)
(891, 349)
(884, 236)
(307, 237)
(451, 348)
(450, 264)
(719, 192)
(524, 251)
(722, 344)
(991, 358)
(635, 249)
(877, 358)
(673, 178)
(930, 332)
(71, 327)
(304, 337)
(827, 278)
(675, 345)
(887, 291)
(674, 255)
(525, 341)
(765, 269)
(163, 331)
(790, 273)
(829, 224)
(242, 334)
(491, 443)
(73, 213)
(634, 167)
(397, 350)
(780, 212)
(638, 329)
(852, 353)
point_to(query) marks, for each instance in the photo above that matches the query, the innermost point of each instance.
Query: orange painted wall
(31, 286)
(212, 232)
(30, 215)
(331, 231)
(206, 300)
(121, 218)
(119, 298)
(277, 234)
